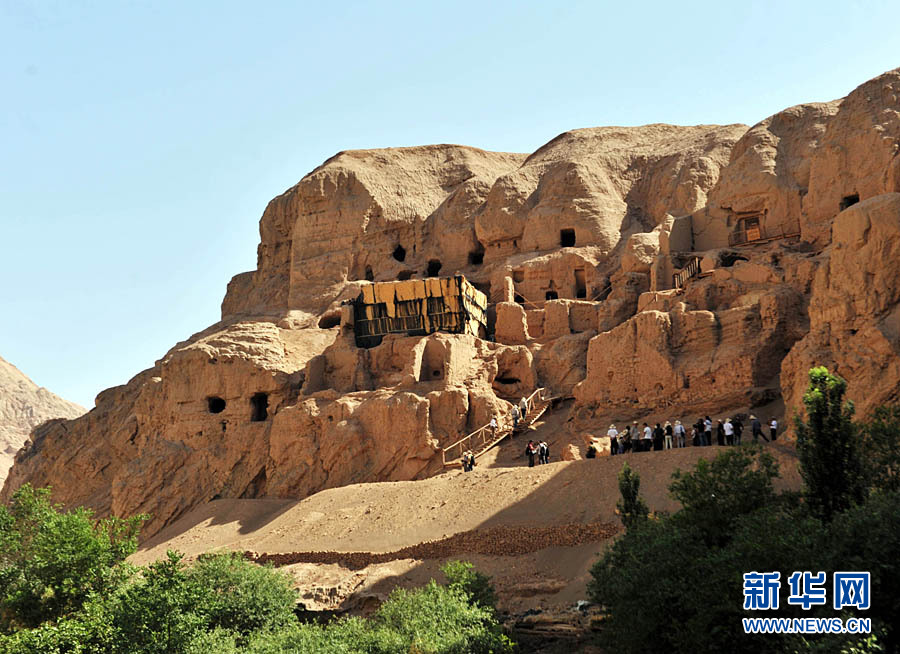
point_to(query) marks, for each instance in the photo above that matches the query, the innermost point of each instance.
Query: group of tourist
(670, 436)
(542, 450)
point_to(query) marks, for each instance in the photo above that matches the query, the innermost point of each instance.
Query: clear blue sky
(141, 141)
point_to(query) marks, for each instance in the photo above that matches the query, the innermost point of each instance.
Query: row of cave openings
(475, 258)
(259, 406)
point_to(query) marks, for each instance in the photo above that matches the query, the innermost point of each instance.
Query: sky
(141, 141)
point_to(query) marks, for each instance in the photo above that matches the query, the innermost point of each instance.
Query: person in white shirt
(773, 428)
(523, 407)
(493, 427)
(679, 434)
(648, 438)
(729, 432)
(613, 434)
(515, 416)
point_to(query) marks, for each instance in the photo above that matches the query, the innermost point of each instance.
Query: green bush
(462, 576)
(436, 620)
(881, 448)
(737, 482)
(52, 561)
(243, 597)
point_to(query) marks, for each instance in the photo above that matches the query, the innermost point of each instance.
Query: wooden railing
(480, 439)
(692, 269)
(761, 233)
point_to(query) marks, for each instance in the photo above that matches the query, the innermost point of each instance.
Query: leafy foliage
(52, 561)
(675, 584)
(829, 446)
(716, 493)
(881, 447)
(463, 576)
(67, 590)
(632, 509)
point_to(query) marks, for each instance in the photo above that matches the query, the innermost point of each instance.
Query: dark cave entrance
(259, 407)
(567, 238)
(849, 200)
(400, 253)
(215, 404)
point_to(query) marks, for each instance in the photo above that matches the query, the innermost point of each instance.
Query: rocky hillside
(23, 406)
(587, 249)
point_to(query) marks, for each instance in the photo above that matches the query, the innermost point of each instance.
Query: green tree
(737, 482)
(829, 447)
(477, 586)
(632, 509)
(675, 584)
(161, 613)
(243, 597)
(881, 448)
(52, 561)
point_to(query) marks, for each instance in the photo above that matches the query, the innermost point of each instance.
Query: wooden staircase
(484, 438)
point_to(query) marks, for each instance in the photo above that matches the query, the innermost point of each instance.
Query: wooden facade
(418, 307)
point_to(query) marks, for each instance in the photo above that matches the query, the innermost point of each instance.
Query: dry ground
(536, 531)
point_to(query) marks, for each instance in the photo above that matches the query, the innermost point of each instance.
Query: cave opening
(370, 276)
(434, 267)
(329, 320)
(551, 295)
(849, 200)
(259, 407)
(519, 299)
(580, 286)
(507, 380)
(215, 404)
(567, 238)
(728, 259)
(400, 253)
(518, 276)
(403, 275)
(476, 257)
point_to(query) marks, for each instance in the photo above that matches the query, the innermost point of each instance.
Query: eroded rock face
(854, 309)
(576, 245)
(23, 406)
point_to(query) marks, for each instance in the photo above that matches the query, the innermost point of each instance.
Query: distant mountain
(23, 406)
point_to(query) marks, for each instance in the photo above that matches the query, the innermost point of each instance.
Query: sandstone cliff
(790, 224)
(23, 406)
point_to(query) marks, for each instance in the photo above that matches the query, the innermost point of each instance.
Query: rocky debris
(504, 540)
(23, 406)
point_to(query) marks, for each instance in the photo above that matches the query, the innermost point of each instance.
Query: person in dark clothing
(695, 436)
(773, 429)
(720, 433)
(544, 452)
(658, 435)
(738, 430)
(756, 427)
(530, 451)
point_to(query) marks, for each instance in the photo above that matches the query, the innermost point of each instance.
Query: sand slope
(466, 511)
